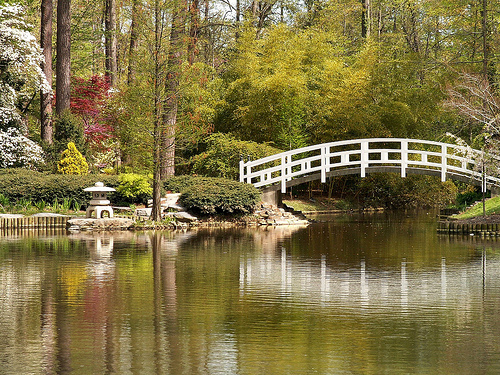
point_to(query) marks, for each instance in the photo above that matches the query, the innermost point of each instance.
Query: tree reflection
(48, 320)
(63, 338)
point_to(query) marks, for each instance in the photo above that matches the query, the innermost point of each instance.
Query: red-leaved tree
(88, 100)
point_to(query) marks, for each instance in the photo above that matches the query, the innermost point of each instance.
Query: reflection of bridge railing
(349, 286)
(361, 156)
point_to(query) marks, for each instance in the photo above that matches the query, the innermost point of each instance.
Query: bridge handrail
(464, 156)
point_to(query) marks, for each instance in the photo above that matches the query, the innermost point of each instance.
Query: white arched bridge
(373, 155)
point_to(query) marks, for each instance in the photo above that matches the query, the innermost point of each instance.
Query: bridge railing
(361, 155)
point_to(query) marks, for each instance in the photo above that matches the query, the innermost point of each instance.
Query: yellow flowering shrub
(72, 161)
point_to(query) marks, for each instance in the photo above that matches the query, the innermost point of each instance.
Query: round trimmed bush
(210, 195)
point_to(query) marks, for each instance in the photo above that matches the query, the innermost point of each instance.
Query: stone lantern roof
(99, 186)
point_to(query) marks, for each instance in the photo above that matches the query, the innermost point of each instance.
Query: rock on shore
(100, 224)
(268, 214)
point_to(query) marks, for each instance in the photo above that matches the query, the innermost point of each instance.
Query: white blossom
(18, 151)
(20, 62)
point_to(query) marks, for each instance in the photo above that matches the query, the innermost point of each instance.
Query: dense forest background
(145, 84)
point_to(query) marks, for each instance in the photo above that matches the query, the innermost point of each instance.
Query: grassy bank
(492, 208)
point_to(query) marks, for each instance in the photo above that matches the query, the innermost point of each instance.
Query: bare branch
(474, 98)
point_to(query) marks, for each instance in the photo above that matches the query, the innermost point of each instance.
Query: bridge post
(364, 157)
(404, 157)
(283, 174)
(323, 164)
(242, 169)
(249, 170)
(444, 162)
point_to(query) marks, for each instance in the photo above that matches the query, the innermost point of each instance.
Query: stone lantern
(99, 202)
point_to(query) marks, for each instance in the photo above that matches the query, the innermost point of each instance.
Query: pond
(368, 294)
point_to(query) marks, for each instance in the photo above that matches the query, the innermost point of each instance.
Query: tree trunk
(110, 41)
(194, 13)
(46, 129)
(409, 25)
(365, 19)
(170, 104)
(474, 36)
(63, 64)
(156, 210)
(207, 36)
(255, 8)
(437, 37)
(134, 36)
(486, 48)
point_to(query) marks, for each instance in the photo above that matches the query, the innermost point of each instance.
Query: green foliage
(308, 78)
(267, 86)
(17, 184)
(40, 205)
(199, 99)
(305, 86)
(391, 191)
(28, 207)
(76, 205)
(177, 184)
(211, 196)
(66, 204)
(68, 128)
(469, 196)
(4, 203)
(132, 111)
(135, 186)
(223, 153)
(220, 197)
(72, 162)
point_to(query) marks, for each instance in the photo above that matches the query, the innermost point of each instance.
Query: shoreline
(264, 216)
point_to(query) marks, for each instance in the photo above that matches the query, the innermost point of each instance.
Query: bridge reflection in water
(306, 282)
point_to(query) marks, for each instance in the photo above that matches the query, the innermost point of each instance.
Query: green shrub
(4, 202)
(68, 128)
(414, 191)
(200, 194)
(469, 196)
(177, 184)
(135, 186)
(223, 153)
(17, 184)
(209, 196)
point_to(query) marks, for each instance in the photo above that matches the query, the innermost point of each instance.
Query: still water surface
(369, 294)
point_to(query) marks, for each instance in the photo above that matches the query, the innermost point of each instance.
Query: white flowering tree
(20, 73)
(18, 151)
(20, 78)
